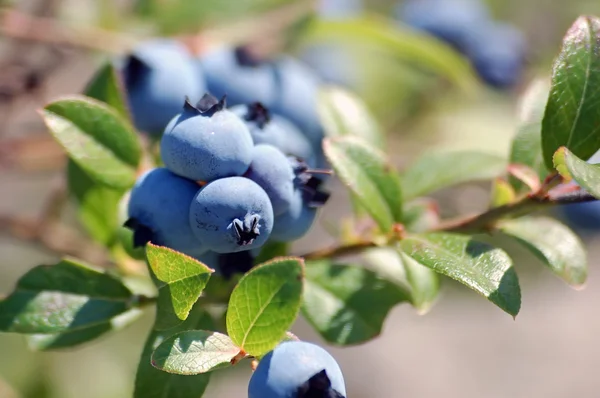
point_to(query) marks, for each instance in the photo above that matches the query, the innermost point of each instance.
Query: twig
(55, 237)
(483, 222)
(21, 26)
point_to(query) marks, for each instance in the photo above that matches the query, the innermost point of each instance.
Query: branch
(18, 25)
(339, 251)
(483, 222)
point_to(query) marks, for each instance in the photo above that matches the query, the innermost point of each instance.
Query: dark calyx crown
(141, 233)
(134, 71)
(246, 231)
(310, 184)
(244, 57)
(318, 386)
(235, 263)
(259, 114)
(207, 106)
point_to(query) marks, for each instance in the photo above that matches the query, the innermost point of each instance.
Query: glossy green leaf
(367, 173)
(572, 118)
(97, 204)
(343, 113)
(571, 167)
(180, 280)
(47, 342)
(553, 243)
(403, 43)
(347, 304)
(526, 147)
(64, 297)
(423, 281)
(438, 170)
(195, 351)
(97, 138)
(106, 86)
(264, 304)
(483, 268)
(151, 382)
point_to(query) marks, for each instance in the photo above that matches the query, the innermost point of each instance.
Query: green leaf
(423, 281)
(195, 351)
(393, 40)
(347, 304)
(151, 382)
(265, 304)
(553, 243)
(435, 171)
(64, 297)
(526, 147)
(180, 280)
(572, 118)
(502, 193)
(97, 204)
(420, 215)
(484, 268)
(97, 138)
(571, 167)
(46, 342)
(418, 283)
(343, 113)
(367, 173)
(106, 86)
(271, 250)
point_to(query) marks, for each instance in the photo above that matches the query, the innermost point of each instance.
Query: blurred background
(426, 90)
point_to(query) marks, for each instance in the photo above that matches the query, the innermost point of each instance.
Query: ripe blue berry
(228, 264)
(268, 128)
(271, 170)
(231, 214)
(498, 54)
(158, 212)
(296, 97)
(158, 75)
(308, 196)
(206, 142)
(297, 369)
(583, 217)
(236, 73)
(453, 21)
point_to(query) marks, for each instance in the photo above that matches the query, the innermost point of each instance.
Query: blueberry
(453, 21)
(498, 54)
(584, 217)
(158, 212)
(308, 196)
(236, 73)
(297, 97)
(158, 75)
(271, 170)
(297, 369)
(206, 142)
(228, 264)
(231, 214)
(267, 128)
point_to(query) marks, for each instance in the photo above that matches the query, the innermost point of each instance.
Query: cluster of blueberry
(297, 369)
(235, 177)
(496, 50)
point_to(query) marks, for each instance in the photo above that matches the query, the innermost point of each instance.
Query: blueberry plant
(234, 164)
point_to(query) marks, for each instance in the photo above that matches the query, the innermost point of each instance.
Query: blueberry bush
(205, 166)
